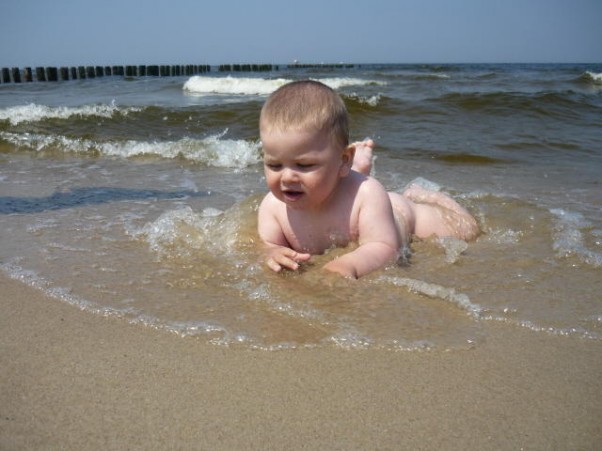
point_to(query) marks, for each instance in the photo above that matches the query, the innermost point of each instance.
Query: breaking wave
(212, 151)
(34, 113)
(591, 78)
(200, 85)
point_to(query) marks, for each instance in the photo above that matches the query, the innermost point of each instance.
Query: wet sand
(72, 380)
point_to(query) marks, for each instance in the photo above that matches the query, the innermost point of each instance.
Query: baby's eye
(305, 165)
(273, 166)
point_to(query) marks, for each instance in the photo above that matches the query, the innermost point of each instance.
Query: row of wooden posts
(18, 75)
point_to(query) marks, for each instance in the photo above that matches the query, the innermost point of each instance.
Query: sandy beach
(72, 380)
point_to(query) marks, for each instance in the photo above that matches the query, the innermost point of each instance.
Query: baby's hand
(283, 257)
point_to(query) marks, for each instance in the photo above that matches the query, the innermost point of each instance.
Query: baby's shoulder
(366, 195)
(270, 205)
(368, 187)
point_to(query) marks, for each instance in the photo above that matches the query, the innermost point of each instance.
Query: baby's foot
(362, 161)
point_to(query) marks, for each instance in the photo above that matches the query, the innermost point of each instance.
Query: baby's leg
(362, 161)
(438, 214)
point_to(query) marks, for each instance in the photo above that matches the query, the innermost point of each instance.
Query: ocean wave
(435, 291)
(420, 76)
(544, 104)
(35, 113)
(568, 238)
(165, 236)
(200, 85)
(36, 281)
(578, 331)
(591, 78)
(343, 82)
(370, 101)
(212, 151)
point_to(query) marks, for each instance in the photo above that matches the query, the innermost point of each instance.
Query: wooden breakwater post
(52, 74)
(247, 67)
(40, 74)
(321, 66)
(64, 73)
(16, 75)
(28, 74)
(5, 75)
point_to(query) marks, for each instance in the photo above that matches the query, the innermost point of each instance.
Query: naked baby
(322, 196)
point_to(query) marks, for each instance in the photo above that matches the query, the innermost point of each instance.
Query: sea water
(137, 198)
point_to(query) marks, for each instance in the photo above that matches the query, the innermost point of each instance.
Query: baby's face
(303, 168)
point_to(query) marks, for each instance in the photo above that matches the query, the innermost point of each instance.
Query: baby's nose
(289, 175)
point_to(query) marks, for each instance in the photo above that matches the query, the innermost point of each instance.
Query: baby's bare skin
(355, 209)
(317, 202)
(322, 195)
(420, 211)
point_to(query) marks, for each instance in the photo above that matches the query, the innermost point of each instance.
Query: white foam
(184, 328)
(165, 237)
(568, 238)
(232, 85)
(34, 280)
(372, 101)
(453, 247)
(562, 331)
(434, 76)
(350, 340)
(503, 237)
(200, 85)
(34, 113)
(594, 77)
(435, 291)
(424, 183)
(211, 151)
(342, 82)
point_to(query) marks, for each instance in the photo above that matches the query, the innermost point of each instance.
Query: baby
(322, 196)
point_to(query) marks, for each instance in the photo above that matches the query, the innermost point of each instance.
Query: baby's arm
(278, 253)
(438, 214)
(378, 236)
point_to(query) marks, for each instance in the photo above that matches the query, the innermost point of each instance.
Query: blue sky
(81, 32)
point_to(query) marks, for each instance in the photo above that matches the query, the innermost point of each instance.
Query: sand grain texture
(72, 380)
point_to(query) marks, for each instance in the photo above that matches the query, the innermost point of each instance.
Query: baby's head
(306, 105)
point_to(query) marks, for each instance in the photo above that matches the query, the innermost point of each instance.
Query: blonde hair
(306, 105)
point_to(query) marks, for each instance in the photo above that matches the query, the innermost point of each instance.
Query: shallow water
(137, 198)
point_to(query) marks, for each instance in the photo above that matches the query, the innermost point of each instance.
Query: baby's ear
(347, 160)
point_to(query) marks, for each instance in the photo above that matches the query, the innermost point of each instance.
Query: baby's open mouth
(292, 195)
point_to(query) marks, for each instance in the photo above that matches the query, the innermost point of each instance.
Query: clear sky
(106, 32)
